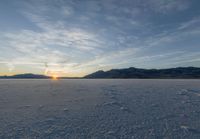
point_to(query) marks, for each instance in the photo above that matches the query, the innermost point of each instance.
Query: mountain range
(135, 73)
(180, 72)
(25, 76)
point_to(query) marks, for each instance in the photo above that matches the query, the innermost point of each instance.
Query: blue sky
(77, 37)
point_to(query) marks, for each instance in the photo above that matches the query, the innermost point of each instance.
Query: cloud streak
(73, 38)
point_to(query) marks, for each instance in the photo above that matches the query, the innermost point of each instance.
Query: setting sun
(54, 77)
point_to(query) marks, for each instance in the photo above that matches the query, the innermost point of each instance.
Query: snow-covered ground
(98, 109)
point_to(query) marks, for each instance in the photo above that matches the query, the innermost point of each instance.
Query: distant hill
(137, 73)
(25, 76)
(180, 72)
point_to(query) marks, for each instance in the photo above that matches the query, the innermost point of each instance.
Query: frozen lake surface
(100, 109)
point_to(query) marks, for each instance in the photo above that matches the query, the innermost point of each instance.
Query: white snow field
(100, 109)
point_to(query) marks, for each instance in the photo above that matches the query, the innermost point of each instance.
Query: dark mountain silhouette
(137, 73)
(26, 76)
(180, 72)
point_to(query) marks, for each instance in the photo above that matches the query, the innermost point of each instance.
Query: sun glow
(54, 77)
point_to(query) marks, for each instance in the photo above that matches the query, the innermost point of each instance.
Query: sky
(76, 37)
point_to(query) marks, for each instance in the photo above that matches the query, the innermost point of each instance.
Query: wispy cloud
(191, 23)
(168, 6)
(79, 37)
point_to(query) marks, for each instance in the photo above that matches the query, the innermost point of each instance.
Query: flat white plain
(82, 108)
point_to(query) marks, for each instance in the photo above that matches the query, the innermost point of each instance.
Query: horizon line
(49, 76)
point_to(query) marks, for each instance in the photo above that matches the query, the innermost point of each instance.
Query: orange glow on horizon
(54, 77)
